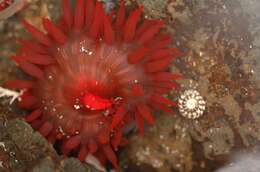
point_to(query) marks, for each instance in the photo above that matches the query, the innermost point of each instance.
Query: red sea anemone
(93, 74)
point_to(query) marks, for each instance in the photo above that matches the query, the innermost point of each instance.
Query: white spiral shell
(191, 104)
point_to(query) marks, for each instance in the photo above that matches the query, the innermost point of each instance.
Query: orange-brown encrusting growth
(92, 74)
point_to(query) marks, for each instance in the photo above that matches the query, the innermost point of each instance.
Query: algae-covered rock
(31, 143)
(71, 164)
(44, 165)
(23, 149)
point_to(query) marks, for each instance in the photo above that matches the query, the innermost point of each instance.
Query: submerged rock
(23, 149)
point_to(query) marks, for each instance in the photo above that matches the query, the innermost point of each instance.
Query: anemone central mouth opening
(95, 102)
